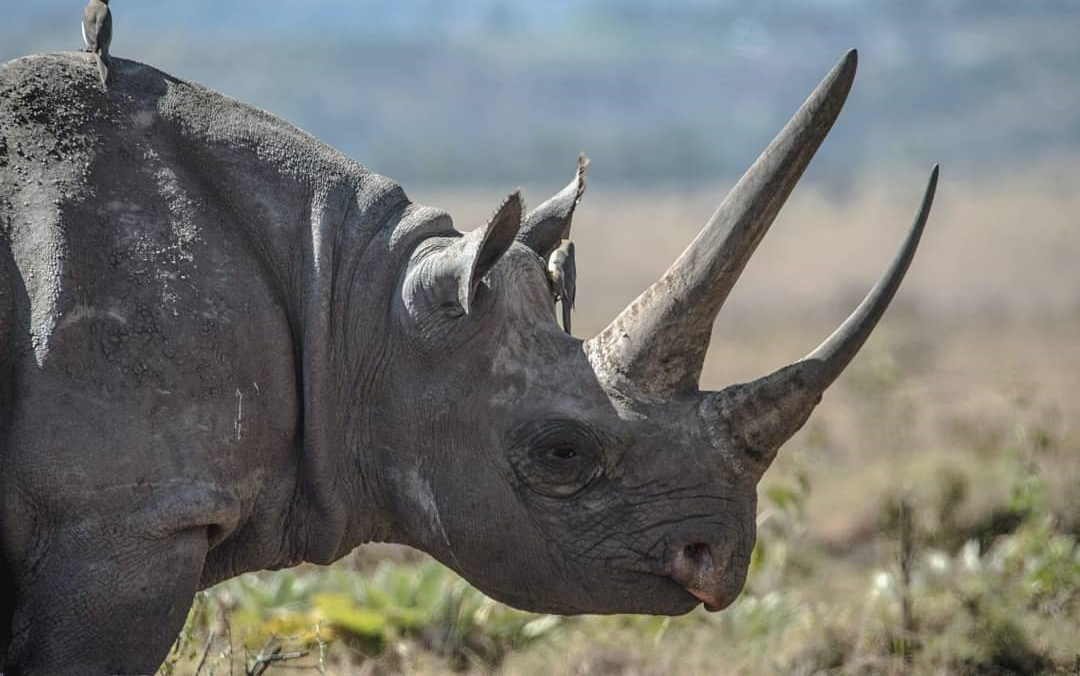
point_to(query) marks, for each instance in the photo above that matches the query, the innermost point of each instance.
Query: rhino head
(594, 476)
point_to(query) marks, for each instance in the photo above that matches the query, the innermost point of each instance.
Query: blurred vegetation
(336, 616)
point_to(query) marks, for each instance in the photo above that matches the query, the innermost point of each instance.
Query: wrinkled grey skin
(225, 347)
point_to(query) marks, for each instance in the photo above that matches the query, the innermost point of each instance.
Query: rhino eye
(564, 452)
(451, 309)
(556, 459)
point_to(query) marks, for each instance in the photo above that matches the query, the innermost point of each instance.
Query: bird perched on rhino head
(97, 34)
(546, 230)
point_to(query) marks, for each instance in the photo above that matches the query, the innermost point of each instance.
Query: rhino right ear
(546, 226)
(482, 248)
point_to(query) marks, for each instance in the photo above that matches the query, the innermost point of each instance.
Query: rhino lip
(711, 602)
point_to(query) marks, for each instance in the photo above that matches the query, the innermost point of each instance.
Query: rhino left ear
(483, 247)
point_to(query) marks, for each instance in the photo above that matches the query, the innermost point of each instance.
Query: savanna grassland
(925, 520)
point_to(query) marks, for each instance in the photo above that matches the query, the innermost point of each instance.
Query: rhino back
(187, 270)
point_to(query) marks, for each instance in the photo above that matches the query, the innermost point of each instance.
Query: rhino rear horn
(483, 247)
(547, 224)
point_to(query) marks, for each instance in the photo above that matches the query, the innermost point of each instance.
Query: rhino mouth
(635, 592)
(712, 602)
(685, 599)
(668, 597)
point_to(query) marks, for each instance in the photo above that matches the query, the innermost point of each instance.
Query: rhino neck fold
(330, 236)
(347, 289)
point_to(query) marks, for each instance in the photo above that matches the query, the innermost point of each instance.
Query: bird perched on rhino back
(546, 230)
(97, 34)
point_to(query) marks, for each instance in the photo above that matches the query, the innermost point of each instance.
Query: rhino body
(184, 273)
(226, 347)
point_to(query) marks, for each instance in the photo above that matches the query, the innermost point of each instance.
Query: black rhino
(224, 347)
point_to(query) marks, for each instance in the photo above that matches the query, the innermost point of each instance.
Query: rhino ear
(483, 247)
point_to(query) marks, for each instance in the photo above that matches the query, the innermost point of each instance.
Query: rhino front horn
(656, 347)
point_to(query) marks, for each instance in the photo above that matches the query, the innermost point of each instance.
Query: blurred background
(926, 519)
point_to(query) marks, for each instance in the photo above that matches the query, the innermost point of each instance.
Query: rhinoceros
(225, 346)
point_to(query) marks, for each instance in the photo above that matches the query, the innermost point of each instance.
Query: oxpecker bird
(97, 34)
(562, 273)
(546, 230)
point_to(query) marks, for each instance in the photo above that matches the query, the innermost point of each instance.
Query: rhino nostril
(704, 570)
(698, 553)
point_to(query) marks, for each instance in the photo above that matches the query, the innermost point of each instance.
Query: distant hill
(507, 91)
